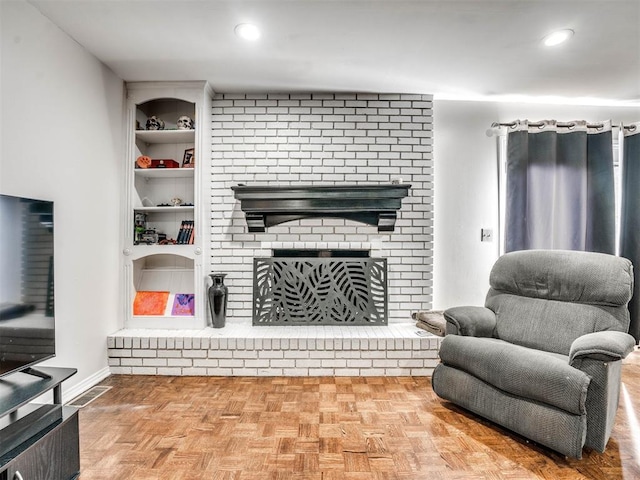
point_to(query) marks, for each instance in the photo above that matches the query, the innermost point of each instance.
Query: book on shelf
(150, 303)
(186, 233)
(183, 304)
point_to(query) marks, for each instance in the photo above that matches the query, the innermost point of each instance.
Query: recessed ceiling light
(557, 37)
(247, 31)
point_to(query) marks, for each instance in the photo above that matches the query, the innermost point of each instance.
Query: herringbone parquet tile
(274, 428)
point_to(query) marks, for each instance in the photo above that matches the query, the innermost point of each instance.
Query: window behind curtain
(501, 146)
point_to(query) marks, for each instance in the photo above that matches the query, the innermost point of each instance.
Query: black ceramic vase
(218, 299)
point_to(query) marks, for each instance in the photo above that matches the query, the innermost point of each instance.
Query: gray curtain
(560, 188)
(630, 218)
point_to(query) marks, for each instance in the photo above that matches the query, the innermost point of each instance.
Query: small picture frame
(189, 159)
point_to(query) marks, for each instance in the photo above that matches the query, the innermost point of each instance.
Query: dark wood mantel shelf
(375, 204)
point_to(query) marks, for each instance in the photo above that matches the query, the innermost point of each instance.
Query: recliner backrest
(545, 299)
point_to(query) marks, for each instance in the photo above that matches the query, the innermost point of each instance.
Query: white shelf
(164, 209)
(167, 269)
(167, 322)
(186, 251)
(164, 173)
(166, 136)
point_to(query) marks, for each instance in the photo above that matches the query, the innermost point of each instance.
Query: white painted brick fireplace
(309, 139)
(319, 139)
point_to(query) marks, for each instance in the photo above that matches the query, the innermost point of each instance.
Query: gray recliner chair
(543, 356)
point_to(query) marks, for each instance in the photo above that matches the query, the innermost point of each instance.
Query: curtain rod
(562, 124)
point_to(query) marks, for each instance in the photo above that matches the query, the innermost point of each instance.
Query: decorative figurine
(139, 227)
(150, 237)
(185, 123)
(154, 123)
(143, 161)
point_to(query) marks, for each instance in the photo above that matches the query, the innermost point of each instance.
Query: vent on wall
(265, 206)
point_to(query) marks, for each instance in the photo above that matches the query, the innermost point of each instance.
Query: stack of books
(432, 321)
(186, 234)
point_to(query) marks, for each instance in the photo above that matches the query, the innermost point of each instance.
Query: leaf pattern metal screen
(320, 291)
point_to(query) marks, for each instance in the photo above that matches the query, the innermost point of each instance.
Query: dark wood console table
(37, 441)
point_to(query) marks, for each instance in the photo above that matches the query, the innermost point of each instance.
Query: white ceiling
(451, 48)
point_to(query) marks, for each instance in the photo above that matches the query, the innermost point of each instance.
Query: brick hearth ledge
(239, 349)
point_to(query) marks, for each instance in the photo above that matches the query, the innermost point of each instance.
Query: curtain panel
(560, 187)
(630, 216)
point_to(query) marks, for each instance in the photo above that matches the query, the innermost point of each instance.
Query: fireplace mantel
(375, 204)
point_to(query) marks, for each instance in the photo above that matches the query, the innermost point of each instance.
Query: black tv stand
(37, 441)
(36, 373)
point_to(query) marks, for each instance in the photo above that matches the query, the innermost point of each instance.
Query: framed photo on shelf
(189, 159)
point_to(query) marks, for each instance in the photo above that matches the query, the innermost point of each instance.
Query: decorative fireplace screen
(320, 291)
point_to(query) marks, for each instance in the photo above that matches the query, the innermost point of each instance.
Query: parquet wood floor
(323, 428)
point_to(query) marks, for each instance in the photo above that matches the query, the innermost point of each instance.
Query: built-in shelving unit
(164, 221)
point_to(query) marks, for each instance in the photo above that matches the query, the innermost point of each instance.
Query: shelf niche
(168, 110)
(163, 273)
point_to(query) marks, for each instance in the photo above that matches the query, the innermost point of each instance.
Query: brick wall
(268, 139)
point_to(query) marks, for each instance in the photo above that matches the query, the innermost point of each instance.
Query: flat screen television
(27, 324)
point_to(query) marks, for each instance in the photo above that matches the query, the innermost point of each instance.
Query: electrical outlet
(486, 235)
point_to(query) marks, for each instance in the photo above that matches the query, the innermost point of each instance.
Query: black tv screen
(27, 326)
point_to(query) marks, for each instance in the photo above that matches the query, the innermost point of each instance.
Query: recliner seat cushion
(524, 372)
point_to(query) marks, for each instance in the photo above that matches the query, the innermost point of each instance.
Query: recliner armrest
(470, 321)
(607, 346)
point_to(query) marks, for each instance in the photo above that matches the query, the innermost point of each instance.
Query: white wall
(62, 140)
(466, 188)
